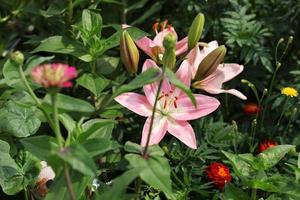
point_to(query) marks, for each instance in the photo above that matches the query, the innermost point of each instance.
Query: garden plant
(141, 99)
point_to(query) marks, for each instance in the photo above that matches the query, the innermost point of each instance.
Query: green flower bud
(195, 31)
(210, 63)
(129, 53)
(169, 42)
(17, 57)
(169, 58)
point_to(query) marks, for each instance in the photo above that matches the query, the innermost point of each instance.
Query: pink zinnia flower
(214, 81)
(174, 108)
(154, 48)
(54, 75)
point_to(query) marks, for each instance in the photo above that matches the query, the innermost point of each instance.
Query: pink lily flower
(224, 72)
(174, 108)
(154, 48)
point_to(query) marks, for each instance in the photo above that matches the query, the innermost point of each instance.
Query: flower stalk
(60, 141)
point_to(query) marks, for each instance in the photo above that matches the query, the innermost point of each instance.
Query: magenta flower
(154, 48)
(54, 75)
(173, 109)
(214, 81)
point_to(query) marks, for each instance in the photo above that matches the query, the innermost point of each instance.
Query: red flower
(251, 108)
(265, 144)
(219, 174)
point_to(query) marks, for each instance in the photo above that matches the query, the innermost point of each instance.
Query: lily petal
(146, 45)
(159, 130)
(183, 131)
(151, 89)
(181, 46)
(206, 50)
(213, 83)
(194, 57)
(230, 70)
(159, 38)
(184, 74)
(230, 91)
(186, 110)
(136, 103)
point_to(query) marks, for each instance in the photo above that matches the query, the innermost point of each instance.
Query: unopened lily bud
(169, 58)
(18, 57)
(195, 31)
(129, 53)
(210, 63)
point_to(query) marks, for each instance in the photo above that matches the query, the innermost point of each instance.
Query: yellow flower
(289, 91)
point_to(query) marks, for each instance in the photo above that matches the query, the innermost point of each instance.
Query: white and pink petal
(159, 130)
(136, 103)
(183, 131)
(187, 111)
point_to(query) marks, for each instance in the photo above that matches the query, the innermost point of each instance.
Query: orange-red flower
(219, 174)
(251, 108)
(265, 144)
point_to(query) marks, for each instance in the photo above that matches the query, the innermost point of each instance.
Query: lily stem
(153, 112)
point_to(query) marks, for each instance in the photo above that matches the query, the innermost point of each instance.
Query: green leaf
(97, 146)
(114, 40)
(234, 193)
(79, 159)
(69, 104)
(263, 184)
(64, 45)
(173, 79)
(68, 122)
(42, 146)
(133, 147)
(108, 64)
(153, 150)
(273, 155)
(120, 185)
(149, 76)
(18, 121)
(240, 166)
(11, 176)
(156, 171)
(11, 75)
(34, 61)
(97, 128)
(93, 83)
(91, 22)
(58, 189)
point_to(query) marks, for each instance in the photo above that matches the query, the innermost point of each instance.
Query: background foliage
(86, 34)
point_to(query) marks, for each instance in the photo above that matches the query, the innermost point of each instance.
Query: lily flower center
(168, 102)
(160, 26)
